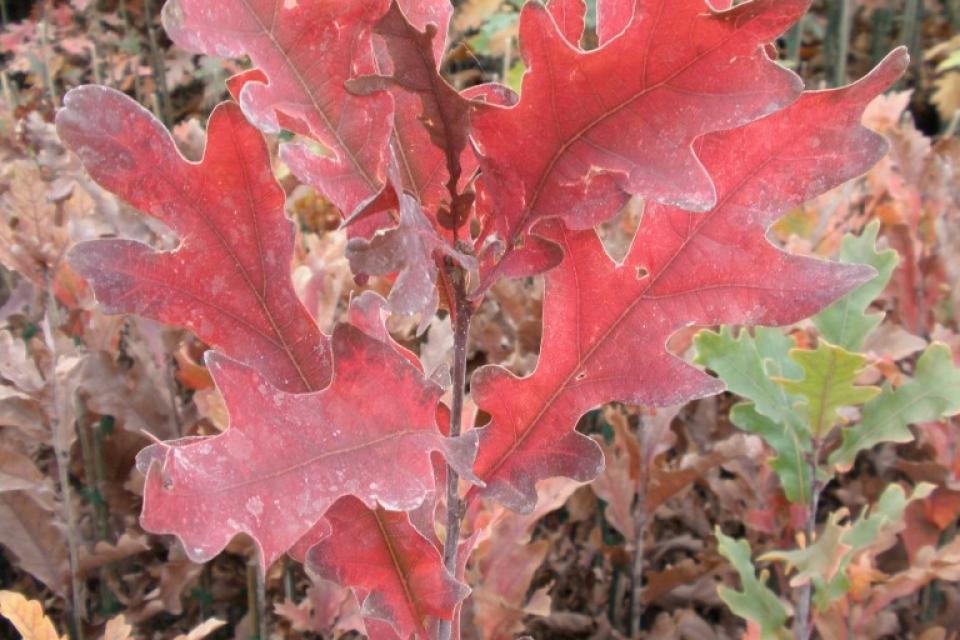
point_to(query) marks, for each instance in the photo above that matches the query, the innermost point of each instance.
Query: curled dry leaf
(27, 617)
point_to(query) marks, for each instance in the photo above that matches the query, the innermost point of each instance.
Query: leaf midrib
(628, 311)
(295, 72)
(540, 188)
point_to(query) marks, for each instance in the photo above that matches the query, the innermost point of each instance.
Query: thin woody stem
(61, 446)
(461, 310)
(803, 625)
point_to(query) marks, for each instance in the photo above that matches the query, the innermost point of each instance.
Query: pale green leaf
(932, 394)
(756, 602)
(845, 323)
(747, 365)
(792, 447)
(828, 384)
(825, 563)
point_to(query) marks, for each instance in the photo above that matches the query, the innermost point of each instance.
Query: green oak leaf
(792, 446)
(845, 323)
(828, 384)
(747, 365)
(824, 563)
(933, 393)
(756, 602)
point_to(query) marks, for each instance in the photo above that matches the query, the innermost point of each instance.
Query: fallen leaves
(27, 617)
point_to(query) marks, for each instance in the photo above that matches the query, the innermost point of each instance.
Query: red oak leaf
(621, 119)
(570, 16)
(400, 573)
(307, 50)
(423, 13)
(443, 113)
(412, 249)
(229, 280)
(613, 16)
(606, 325)
(286, 458)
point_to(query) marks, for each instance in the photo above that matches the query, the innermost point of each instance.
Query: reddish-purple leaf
(570, 16)
(432, 120)
(286, 458)
(613, 16)
(229, 280)
(412, 248)
(400, 573)
(307, 50)
(606, 325)
(593, 126)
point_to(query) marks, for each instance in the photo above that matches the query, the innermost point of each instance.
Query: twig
(794, 40)
(62, 453)
(507, 60)
(162, 93)
(953, 13)
(171, 380)
(461, 309)
(844, 27)
(910, 34)
(100, 482)
(8, 95)
(47, 76)
(803, 627)
(639, 530)
(256, 597)
(289, 586)
(881, 22)
(4, 16)
(124, 16)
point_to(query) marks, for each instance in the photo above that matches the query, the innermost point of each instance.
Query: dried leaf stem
(62, 452)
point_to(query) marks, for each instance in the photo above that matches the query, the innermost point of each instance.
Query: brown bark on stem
(461, 310)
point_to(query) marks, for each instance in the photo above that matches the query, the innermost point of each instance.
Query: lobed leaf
(845, 323)
(570, 16)
(756, 602)
(606, 325)
(410, 249)
(27, 617)
(824, 563)
(400, 572)
(932, 394)
(829, 383)
(286, 458)
(307, 51)
(596, 125)
(748, 364)
(443, 112)
(229, 279)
